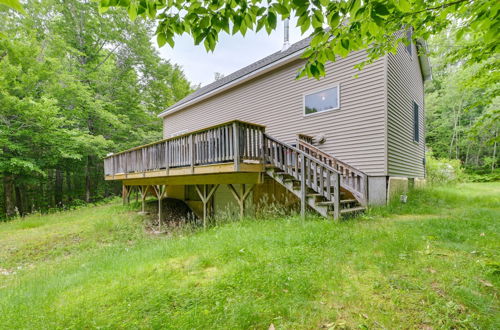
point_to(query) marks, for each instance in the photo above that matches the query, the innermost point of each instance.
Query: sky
(231, 53)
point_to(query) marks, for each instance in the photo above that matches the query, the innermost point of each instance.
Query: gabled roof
(262, 66)
(250, 71)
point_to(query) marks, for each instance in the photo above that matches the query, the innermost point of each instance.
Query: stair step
(352, 210)
(342, 201)
(314, 195)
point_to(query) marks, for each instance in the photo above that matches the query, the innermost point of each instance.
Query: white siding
(355, 133)
(404, 85)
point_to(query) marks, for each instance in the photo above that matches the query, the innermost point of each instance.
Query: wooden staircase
(317, 184)
(351, 179)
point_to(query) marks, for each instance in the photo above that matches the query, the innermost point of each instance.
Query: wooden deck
(241, 153)
(229, 151)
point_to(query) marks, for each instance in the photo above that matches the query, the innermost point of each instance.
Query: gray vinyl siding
(404, 85)
(355, 133)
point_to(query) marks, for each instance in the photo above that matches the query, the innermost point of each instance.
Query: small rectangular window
(409, 48)
(325, 100)
(416, 122)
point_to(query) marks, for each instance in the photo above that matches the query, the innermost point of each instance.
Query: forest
(74, 86)
(77, 83)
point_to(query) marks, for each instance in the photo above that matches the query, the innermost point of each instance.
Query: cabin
(259, 136)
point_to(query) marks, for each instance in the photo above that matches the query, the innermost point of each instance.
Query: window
(409, 48)
(325, 100)
(416, 122)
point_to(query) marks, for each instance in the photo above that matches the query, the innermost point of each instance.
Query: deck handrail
(187, 133)
(314, 174)
(352, 179)
(233, 141)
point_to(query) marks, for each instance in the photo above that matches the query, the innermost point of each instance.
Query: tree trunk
(69, 192)
(493, 163)
(19, 200)
(50, 189)
(58, 188)
(87, 180)
(8, 190)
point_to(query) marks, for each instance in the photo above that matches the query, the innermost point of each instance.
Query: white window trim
(304, 114)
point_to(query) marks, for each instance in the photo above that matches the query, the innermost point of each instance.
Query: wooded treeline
(463, 105)
(74, 85)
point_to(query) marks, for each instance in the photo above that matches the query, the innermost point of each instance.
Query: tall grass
(432, 262)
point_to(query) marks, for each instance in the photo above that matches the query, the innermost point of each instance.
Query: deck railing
(352, 179)
(234, 141)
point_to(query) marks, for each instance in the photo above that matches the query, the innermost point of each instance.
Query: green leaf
(317, 19)
(459, 34)
(381, 10)
(14, 4)
(271, 20)
(356, 4)
(132, 11)
(161, 38)
(345, 44)
(334, 19)
(101, 9)
(260, 23)
(403, 5)
(306, 23)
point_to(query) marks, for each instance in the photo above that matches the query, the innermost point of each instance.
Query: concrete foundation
(396, 187)
(377, 190)
(419, 183)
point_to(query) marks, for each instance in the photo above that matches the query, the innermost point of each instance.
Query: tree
(14, 4)
(462, 107)
(74, 86)
(339, 27)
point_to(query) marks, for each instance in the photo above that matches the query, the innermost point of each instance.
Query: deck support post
(126, 192)
(161, 192)
(303, 195)
(241, 197)
(144, 192)
(205, 197)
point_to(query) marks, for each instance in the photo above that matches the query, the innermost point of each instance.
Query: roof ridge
(240, 73)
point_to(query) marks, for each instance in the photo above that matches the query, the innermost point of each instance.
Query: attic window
(325, 100)
(409, 34)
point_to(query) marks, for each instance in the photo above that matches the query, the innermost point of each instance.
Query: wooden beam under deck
(206, 174)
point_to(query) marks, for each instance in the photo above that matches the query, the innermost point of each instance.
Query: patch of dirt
(175, 214)
(6, 272)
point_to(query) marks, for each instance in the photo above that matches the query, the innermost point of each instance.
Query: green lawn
(431, 263)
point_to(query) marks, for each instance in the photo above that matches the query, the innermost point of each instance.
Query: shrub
(484, 176)
(442, 170)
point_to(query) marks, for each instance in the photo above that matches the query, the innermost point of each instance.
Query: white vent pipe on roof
(286, 41)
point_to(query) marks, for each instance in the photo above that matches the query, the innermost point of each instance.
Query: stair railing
(311, 172)
(352, 179)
